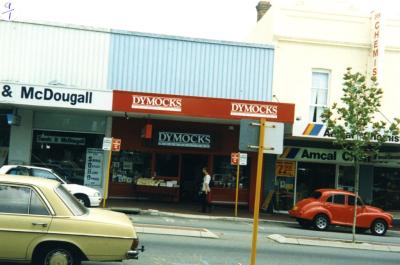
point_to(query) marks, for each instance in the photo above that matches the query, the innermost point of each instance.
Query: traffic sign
(116, 144)
(249, 136)
(107, 143)
(234, 159)
(243, 159)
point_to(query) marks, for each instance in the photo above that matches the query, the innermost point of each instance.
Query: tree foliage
(354, 123)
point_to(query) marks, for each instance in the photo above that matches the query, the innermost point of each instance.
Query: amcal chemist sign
(319, 131)
(55, 96)
(202, 107)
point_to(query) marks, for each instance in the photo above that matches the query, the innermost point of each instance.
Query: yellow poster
(285, 168)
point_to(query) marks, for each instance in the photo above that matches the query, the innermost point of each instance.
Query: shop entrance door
(191, 176)
(312, 176)
(345, 178)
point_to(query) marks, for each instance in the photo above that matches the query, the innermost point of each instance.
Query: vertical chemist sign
(94, 167)
(377, 45)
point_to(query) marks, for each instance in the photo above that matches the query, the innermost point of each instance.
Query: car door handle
(40, 224)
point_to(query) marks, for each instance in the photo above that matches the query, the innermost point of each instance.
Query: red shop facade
(168, 139)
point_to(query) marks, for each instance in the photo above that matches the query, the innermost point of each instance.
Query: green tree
(354, 124)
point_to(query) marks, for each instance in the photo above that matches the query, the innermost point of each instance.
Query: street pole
(237, 185)
(258, 192)
(105, 193)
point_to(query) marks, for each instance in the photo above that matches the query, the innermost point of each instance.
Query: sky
(214, 19)
(211, 19)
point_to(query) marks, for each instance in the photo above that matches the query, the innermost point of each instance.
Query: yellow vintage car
(42, 223)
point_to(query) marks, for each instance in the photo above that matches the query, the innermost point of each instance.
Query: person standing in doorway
(205, 190)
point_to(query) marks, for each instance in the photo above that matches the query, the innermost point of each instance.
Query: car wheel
(57, 256)
(321, 222)
(83, 199)
(379, 227)
(304, 223)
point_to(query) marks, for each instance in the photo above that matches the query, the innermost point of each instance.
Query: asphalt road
(233, 246)
(265, 228)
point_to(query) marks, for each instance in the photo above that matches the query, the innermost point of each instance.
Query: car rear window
(316, 195)
(350, 201)
(72, 203)
(336, 199)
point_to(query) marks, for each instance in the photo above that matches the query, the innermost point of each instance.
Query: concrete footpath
(328, 242)
(218, 214)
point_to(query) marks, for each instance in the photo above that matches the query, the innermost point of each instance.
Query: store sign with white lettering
(201, 107)
(156, 103)
(254, 110)
(55, 96)
(184, 139)
(50, 139)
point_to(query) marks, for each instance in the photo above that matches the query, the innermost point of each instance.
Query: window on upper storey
(319, 94)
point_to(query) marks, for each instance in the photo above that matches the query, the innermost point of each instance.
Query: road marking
(169, 220)
(173, 230)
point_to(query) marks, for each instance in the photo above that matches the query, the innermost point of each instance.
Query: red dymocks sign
(201, 107)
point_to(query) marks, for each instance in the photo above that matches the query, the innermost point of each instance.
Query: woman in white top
(205, 189)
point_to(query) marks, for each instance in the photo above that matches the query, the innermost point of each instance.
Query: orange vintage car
(336, 207)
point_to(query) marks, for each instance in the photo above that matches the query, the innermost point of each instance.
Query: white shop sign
(52, 96)
(319, 131)
(94, 167)
(184, 139)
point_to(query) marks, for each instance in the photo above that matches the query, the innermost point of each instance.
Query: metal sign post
(258, 191)
(110, 144)
(107, 179)
(235, 161)
(237, 188)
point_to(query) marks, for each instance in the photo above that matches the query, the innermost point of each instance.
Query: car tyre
(321, 222)
(83, 199)
(379, 227)
(304, 223)
(60, 255)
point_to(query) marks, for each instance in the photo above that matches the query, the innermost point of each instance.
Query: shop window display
(130, 167)
(312, 176)
(386, 189)
(224, 174)
(64, 152)
(346, 178)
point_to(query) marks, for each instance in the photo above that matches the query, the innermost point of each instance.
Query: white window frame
(313, 106)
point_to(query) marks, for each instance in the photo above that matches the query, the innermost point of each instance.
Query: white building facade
(314, 44)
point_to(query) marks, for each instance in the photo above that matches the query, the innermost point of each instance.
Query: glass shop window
(224, 174)
(167, 165)
(386, 189)
(64, 152)
(128, 166)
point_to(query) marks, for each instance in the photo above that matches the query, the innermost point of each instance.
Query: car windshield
(72, 203)
(316, 195)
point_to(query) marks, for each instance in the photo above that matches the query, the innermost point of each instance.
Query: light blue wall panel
(182, 66)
